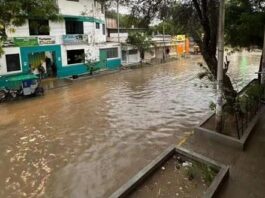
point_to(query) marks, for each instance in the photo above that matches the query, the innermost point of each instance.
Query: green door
(103, 59)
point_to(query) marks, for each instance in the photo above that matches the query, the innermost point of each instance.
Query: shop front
(41, 60)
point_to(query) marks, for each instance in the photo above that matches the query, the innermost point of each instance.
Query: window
(75, 56)
(133, 52)
(12, 62)
(124, 55)
(39, 27)
(103, 29)
(112, 52)
(97, 26)
(74, 27)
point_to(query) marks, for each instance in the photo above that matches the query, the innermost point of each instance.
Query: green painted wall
(66, 71)
(26, 51)
(114, 64)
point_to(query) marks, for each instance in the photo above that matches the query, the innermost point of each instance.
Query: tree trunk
(211, 61)
(260, 67)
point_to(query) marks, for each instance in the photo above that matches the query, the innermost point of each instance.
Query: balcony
(76, 39)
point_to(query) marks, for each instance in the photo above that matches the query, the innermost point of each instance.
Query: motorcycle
(9, 94)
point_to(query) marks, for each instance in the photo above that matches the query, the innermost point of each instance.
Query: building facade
(61, 48)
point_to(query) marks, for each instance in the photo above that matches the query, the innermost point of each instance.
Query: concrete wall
(82, 7)
(57, 30)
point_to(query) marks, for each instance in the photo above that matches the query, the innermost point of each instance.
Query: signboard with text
(75, 39)
(180, 38)
(25, 41)
(47, 40)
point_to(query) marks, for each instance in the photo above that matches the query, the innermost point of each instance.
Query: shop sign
(9, 43)
(75, 39)
(180, 38)
(25, 41)
(47, 40)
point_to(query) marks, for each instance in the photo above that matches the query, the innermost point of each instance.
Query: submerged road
(87, 139)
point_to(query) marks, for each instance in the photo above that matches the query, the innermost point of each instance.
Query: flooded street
(87, 139)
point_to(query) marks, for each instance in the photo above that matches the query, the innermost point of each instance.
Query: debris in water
(32, 140)
(187, 164)
(23, 138)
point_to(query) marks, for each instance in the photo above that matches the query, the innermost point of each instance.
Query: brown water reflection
(85, 140)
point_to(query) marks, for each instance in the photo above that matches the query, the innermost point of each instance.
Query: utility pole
(263, 62)
(94, 29)
(118, 19)
(164, 42)
(219, 99)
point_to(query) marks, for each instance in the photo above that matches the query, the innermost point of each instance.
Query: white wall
(114, 37)
(3, 67)
(83, 7)
(93, 50)
(134, 58)
(20, 31)
(94, 34)
(57, 30)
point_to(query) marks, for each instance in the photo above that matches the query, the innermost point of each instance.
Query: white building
(60, 47)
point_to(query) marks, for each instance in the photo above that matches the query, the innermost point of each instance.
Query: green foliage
(127, 21)
(170, 28)
(208, 174)
(206, 73)
(90, 62)
(245, 23)
(197, 169)
(249, 98)
(212, 106)
(141, 41)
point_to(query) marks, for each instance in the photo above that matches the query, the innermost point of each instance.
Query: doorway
(43, 63)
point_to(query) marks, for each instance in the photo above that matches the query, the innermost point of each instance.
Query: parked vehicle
(8, 94)
(22, 85)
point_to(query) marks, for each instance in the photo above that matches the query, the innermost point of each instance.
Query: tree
(199, 19)
(141, 41)
(14, 13)
(246, 24)
(127, 21)
(170, 28)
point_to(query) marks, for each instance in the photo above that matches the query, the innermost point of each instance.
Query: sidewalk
(247, 168)
(54, 83)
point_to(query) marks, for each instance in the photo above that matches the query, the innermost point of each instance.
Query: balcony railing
(73, 39)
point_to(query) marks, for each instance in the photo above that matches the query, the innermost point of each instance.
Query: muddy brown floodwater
(87, 139)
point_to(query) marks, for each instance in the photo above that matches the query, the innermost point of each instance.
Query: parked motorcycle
(9, 94)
